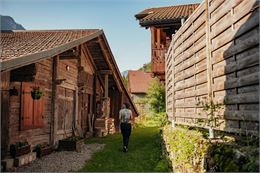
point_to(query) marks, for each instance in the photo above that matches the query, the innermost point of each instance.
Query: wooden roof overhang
(104, 61)
(165, 16)
(13, 63)
(175, 23)
(97, 47)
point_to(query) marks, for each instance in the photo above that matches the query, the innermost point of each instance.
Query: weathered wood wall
(4, 86)
(215, 55)
(34, 136)
(66, 69)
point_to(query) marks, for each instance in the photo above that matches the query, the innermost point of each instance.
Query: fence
(215, 55)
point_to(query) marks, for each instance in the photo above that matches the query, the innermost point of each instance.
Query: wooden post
(173, 89)
(106, 96)
(5, 112)
(54, 120)
(94, 111)
(158, 38)
(208, 51)
(76, 107)
(106, 74)
(152, 37)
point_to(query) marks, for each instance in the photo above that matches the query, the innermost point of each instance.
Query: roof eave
(32, 58)
(149, 23)
(140, 16)
(119, 75)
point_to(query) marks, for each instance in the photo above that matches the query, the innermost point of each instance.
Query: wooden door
(65, 109)
(84, 108)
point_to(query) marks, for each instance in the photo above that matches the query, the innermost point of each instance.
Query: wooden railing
(158, 60)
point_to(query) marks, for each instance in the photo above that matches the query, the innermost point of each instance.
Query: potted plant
(43, 150)
(73, 143)
(13, 92)
(20, 148)
(37, 93)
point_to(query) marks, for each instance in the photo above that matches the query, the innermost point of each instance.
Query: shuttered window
(31, 110)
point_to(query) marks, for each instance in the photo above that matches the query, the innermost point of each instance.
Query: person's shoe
(124, 149)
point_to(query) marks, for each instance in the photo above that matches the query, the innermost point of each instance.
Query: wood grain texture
(217, 44)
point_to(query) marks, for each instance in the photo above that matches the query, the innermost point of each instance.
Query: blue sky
(129, 42)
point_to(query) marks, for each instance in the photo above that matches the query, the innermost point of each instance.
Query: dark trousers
(126, 132)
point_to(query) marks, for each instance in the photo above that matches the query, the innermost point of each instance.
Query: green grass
(144, 153)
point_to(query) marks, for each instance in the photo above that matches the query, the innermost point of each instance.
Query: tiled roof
(139, 81)
(24, 47)
(17, 44)
(19, 48)
(165, 15)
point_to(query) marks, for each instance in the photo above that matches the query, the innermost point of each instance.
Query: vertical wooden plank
(153, 34)
(26, 107)
(5, 84)
(80, 111)
(208, 51)
(173, 88)
(106, 95)
(76, 104)
(158, 38)
(38, 112)
(54, 100)
(94, 99)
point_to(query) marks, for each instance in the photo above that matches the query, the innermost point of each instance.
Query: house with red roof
(163, 23)
(56, 84)
(138, 84)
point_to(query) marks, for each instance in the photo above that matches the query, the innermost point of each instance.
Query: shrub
(152, 120)
(156, 96)
(188, 148)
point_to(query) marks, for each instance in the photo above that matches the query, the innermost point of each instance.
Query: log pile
(104, 126)
(111, 126)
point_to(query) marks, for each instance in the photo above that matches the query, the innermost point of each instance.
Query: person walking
(125, 117)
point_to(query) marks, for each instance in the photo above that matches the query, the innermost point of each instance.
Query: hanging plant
(13, 92)
(37, 93)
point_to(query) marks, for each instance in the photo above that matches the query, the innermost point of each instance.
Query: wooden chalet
(163, 23)
(138, 84)
(78, 76)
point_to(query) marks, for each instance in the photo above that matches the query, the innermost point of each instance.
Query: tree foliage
(125, 80)
(146, 67)
(156, 96)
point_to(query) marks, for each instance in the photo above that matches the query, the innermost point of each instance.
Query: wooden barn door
(85, 101)
(65, 110)
(84, 110)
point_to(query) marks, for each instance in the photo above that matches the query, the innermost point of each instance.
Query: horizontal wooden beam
(69, 57)
(70, 54)
(109, 72)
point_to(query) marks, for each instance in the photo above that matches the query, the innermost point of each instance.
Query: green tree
(156, 96)
(146, 67)
(125, 80)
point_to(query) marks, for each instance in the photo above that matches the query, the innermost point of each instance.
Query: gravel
(63, 161)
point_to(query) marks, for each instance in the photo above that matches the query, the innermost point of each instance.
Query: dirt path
(63, 161)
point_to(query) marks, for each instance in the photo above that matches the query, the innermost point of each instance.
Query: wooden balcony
(158, 61)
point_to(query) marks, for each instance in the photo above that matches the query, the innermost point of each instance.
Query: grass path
(144, 153)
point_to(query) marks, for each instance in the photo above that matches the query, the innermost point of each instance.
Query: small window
(31, 110)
